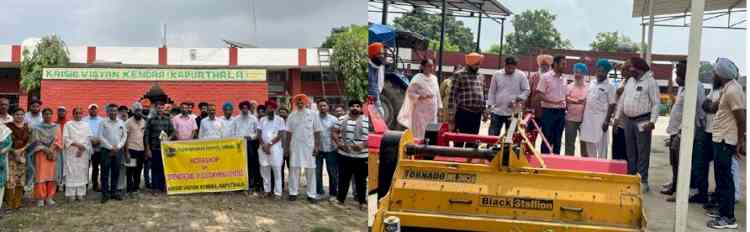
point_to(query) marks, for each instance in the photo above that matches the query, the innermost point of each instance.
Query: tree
(349, 60)
(49, 52)
(495, 49)
(613, 42)
(428, 25)
(533, 30)
(336, 32)
(447, 46)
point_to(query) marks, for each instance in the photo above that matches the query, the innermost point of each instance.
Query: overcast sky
(580, 21)
(190, 23)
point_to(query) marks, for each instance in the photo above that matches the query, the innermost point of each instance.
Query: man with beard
(376, 74)
(211, 126)
(270, 154)
(203, 106)
(597, 112)
(226, 121)
(699, 170)
(466, 103)
(155, 126)
(552, 90)
(184, 124)
(303, 128)
(94, 120)
(350, 136)
(327, 152)
(729, 134)
(61, 120)
(246, 126)
(134, 147)
(34, 116)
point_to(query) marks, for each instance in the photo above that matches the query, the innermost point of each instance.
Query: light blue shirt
(327, 123)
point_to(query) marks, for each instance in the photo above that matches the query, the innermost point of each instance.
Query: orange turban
(473, 58)
(299, 97)
(146, 103)
(374, 49)
(544, 59)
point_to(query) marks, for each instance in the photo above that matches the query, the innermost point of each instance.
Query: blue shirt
(372, 77)
(93, 123)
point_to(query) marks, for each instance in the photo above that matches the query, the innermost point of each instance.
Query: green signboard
(132, 74)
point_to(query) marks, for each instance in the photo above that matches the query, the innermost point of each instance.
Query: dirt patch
(232, 211)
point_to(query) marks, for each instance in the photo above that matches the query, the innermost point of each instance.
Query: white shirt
(6, 119)
(504, 89)
(675, 116)
(211, 129)
(640, 97)
(326, 140)
(270, 129)
(32, 120)
(245, 126)
(713, 96)
(302, 125)
(112, 134)
(226, 125)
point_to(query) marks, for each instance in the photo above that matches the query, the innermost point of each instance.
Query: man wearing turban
(729, 133)
(466, 103)
(575, 97)
(534, 103)
(271, 130)
(303, 128)
(597, 111)
(376, 73)
(639, 111)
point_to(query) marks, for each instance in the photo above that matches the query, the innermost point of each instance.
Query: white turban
(726, 69)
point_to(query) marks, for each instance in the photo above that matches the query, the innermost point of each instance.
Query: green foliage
(428, 25)
(335, 32)
(533, 29)
(447, 46)
(50, 52)
(349, 60)
(613, 42)
(495, 49)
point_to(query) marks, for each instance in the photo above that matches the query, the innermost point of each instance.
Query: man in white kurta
(77, 148)
(304, 128)
(600, 103)
(270, 152)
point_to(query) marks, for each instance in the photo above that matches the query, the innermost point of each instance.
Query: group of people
(41, 154)
(585, 111)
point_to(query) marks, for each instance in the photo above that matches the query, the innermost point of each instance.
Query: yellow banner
(197, 166)
(151, 74)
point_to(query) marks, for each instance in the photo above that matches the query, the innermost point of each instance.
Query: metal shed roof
(673, 7)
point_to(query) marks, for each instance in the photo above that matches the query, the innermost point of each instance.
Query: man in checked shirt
(466, 102)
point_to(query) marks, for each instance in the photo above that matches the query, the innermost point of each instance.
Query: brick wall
(82, 93)
(313, 88)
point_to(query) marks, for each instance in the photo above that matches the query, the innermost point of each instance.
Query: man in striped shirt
(638, 110)
(350, 136)
(552, 90)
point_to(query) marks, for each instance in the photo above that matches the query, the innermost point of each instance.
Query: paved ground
(659, 212)
(231, 211)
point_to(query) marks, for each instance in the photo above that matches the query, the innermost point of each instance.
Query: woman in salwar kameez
(78, 150)
(20, 134)
(422, 101)
(46, 146)
(5, 145)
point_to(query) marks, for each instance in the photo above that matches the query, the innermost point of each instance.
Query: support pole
(442, 39)
(650, 31)
(643, 39)
(688, 116)
(384, 17)
(502, 33)
(479, 31)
